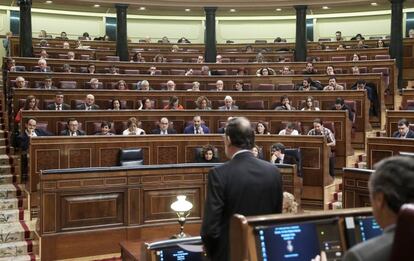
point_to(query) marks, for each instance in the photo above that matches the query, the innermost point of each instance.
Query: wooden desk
(379, 148)
(355, 187)
(131, 250)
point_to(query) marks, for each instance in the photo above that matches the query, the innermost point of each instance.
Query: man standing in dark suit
(58, 105)
(72, 129)
(164, 128)
(403, 131)
(89, 104)
(244, 185)
(197, 127)
(279, 156)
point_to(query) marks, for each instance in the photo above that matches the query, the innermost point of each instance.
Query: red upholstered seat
(254, 105)
(177, 72)
(130, 71)
(85, 57)
(112, 58)
(382, 57)
(176, 60)
(265, 87)
(285, 86)
(67, 85)
(404, 234)
(338, 58)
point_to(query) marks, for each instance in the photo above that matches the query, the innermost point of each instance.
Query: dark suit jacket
(375, 249)
(233, 108)
(190, 129)
(243, 185)
(66, 133)
(52, 106)
(409, 135)
(37, 69)
(24, 140)
(82, 107)
(287, 160)
(158, 131)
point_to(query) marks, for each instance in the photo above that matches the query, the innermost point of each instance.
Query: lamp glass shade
(181, 205)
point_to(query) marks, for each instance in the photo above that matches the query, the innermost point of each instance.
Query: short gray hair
(395, 178)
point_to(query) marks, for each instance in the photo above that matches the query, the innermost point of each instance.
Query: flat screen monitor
(299, 241)
(367, 227)
(185, 249)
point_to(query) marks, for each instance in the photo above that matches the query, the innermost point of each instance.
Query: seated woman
(256, 151)
(356, 57)
(238, 86)
(309, 105)
(265, 71)
(203, 103)
(145, 104)
(137, 58)
(105, 129)
(116, 105)
(159, 58)
(261, 129)
(289, 203)
(121, 85)
(175, 48)
(133, 129)
(207, 155)
(174, 104)
(195, 88)
(29, 105)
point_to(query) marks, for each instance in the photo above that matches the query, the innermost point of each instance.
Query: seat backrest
(129, 71)
(85, 57)
(254, 105)
(131, 157)
(404, 234)
(241, 60)
(67, 84)
(112, 58)
(265, 87)
(285, 86)
(338, 58)
(382, 57)
(297, 154)
(177, 72)
(42, 126)
(20, 68)
(176, 60)
(225, 60)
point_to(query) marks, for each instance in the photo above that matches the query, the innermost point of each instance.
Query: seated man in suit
(170, 86)
(341, 106)
(24, 142)
(42, 66)
(89, 104)
(219, 86)
(390, 186)
(164, 128)
(72, 129)
(20, 82)
(48, 84)
(58, 105)
(403, 130)
(279, 156)
(197, 127)
(228, 104)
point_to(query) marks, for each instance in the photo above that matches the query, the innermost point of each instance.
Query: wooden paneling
(315, 168)
(92, 217)
(355, 187)
(379, 148)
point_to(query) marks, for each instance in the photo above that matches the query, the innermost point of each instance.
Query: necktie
(197, 131)
(89, 108)
(58, 107)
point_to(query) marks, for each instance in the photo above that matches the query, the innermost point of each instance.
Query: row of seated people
(164, 126)
(307, 84)
(202, 103)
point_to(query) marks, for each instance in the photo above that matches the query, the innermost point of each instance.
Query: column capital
(300, 7)
(210, 10)
(121, 6)
(24, 2)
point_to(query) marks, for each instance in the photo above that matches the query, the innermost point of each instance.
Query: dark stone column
(300, 42)
(26, 45)
(210, 52)
(396, 42)
(121, 32)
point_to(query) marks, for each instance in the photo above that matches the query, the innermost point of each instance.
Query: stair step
(4, 159)
(2, 141)
(5, 169)
(30, 257)
(13, 215)
(7, 179)
(18, 248)
(10, 203)
(15, 231)
(3, 149)
(9, 191)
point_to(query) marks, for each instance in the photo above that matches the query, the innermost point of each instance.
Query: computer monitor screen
(178, 253)
(367, 228)
(299, 241)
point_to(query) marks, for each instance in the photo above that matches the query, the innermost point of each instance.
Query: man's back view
(244, 185)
